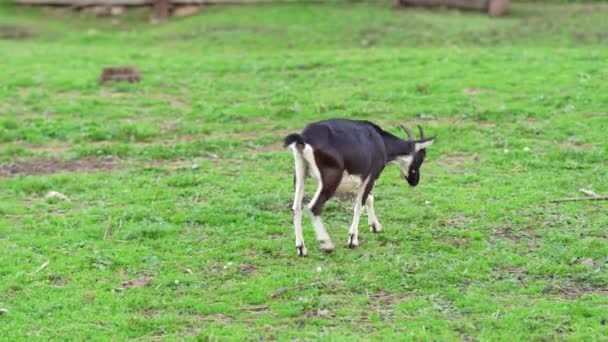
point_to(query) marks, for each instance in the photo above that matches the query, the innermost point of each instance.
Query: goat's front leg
(353, 232)
(372, 220)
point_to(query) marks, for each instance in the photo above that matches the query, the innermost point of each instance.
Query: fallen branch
(575, 199)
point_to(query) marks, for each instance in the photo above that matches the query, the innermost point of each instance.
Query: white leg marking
(353, 232)
(316, 196)
(300, 168)
(309, 156)
(322, 235)
(320, 230)
(372, 220)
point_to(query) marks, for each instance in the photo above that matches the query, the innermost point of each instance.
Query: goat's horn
(421, 132)
(410, 136)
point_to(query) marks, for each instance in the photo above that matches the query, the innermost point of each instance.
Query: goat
(348, 156)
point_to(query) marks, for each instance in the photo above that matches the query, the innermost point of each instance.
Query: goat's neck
(396, 147)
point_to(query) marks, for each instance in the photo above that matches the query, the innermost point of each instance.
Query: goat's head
(411, 162)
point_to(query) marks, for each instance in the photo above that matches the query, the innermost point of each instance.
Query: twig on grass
(589, 192)
(108, 231)
(41, 267)
(575, 199)
(278, 292)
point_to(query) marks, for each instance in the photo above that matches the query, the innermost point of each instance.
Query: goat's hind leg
(299, 182)
(326, 189)
(315, 206)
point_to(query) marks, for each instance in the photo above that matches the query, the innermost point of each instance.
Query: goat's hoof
(375, 228)
(327, 246)
(301, 251)
(352, 241)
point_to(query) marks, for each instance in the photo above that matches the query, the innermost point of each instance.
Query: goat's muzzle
(412, 179)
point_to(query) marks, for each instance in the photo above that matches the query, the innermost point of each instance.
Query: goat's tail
(293, 138)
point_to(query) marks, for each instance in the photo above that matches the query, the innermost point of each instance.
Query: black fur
(293, 138)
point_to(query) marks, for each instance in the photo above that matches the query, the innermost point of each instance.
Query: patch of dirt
(263, 308)
(103, 93)
(274, 147)
(139, 282)
(573, 291)
(582, 7)
(382, 298)
(252, 134)
(216, 317)
(319, 313)
(248, 269)
(512, 273)
(48, 148)
(57, 281)
(150, 313)
(88, 298)
(381, 303)
(15, 32)
(525, 234)
(455, 162)
(574, 145)
(457, 242)
(456, 221)
(473, 91)
(226, 29)
(43, 167)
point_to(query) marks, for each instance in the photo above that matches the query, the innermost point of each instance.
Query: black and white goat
(348, 156)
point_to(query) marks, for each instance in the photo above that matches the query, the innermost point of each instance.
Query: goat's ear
(424, 143)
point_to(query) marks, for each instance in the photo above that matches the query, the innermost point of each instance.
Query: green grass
(199, 195)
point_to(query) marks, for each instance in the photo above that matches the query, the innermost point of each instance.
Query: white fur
(420, 146)
(300, 168)
(322, 235)
(349, 183)
(372, 220)
(313, 170)
(404, 163)
(353, 232)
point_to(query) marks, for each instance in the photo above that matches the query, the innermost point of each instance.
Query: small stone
(322, 312)
(588, 262)
(58, 195)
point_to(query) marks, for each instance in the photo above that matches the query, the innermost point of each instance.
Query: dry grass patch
(51, 166)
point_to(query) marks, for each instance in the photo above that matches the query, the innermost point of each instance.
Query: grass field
(180, 182)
